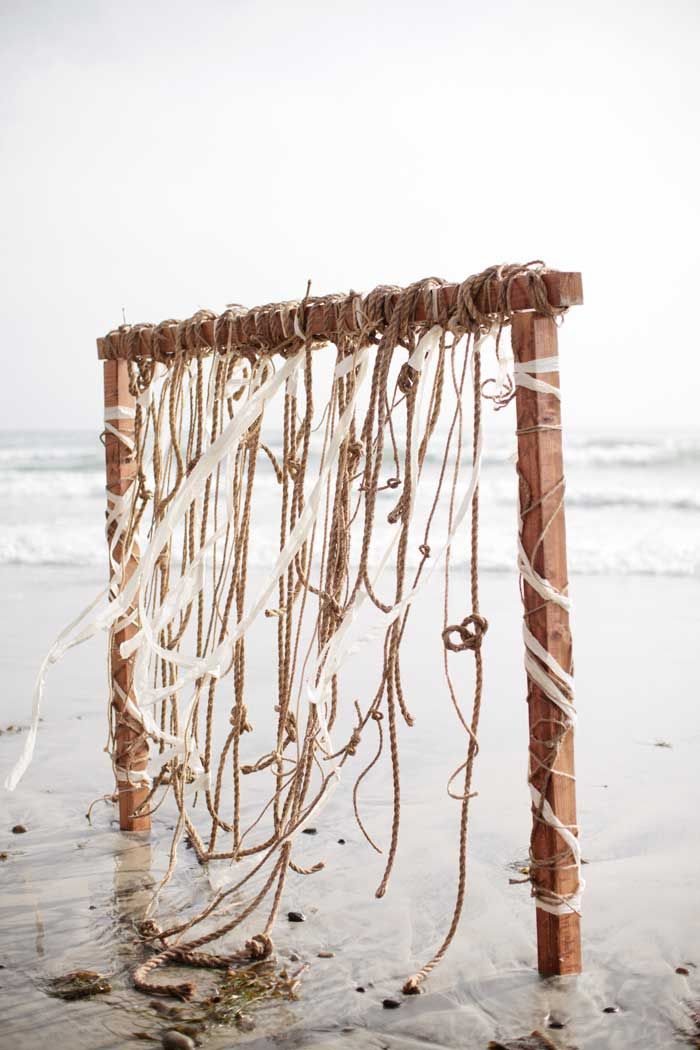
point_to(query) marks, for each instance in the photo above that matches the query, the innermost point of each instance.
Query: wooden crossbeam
(563, 289)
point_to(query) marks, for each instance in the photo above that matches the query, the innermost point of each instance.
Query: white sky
(164, 157)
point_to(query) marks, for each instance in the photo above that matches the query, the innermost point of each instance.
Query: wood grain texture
(121, 470)
(563, 289)
(540, 465)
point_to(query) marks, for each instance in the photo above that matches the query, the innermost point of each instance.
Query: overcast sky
(164, 157)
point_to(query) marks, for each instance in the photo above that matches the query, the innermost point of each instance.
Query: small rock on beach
(173, 1040)
(163, 1009)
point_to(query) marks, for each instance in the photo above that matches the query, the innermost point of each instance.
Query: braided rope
(199, 452)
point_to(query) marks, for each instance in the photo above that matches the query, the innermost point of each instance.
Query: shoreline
(636, 801)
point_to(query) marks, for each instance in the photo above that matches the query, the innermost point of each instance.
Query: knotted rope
(201, 456)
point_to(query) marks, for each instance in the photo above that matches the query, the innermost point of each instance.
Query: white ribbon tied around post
(525, 375)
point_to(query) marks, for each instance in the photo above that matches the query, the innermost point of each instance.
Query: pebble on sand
(245, 1023)
(331, 955)
(611, 1009)
(163, 1009)
(682, 971)
(391, 1004)
(19, 829)
(296, 916)
(341, 842)
(173, 1040)
(309, 831)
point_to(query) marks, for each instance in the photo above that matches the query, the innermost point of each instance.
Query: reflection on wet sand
(72, 895)
(38, 918)
(133, 881)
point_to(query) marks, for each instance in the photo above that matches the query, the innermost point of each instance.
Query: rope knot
(424, 550)
(259, 946)
(397, 513)
(407, 378)
(293, 468)
(291, 727)
(354, 742)
(242, 710)
(355, 452)
(469, 632)
(148, 928)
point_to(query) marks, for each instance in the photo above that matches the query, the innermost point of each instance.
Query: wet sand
(70, 892)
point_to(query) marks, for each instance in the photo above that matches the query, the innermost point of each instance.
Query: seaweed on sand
(79, 984)
(535, 1041)
(236, 992)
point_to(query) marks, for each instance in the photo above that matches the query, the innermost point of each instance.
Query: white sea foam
(632, 505)
(616, 495)
(48, 452)
(44, 484)
(643, 554)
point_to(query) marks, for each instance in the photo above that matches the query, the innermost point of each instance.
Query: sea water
(632, 501)
(71, 891)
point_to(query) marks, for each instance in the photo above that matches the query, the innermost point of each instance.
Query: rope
(180, 537)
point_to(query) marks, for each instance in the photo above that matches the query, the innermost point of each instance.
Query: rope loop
(470, 633)
(407, 378)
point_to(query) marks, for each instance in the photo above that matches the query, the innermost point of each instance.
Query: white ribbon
(536, 656)
(524, 375)
(340, 646)
(573, 901)
(60, 646)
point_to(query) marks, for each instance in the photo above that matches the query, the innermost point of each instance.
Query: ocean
(71, 891)
(633, 502)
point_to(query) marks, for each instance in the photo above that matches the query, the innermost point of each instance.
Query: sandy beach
(70, 891)
(346, 357)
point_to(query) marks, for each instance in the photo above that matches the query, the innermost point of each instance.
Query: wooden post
(540, 466)
(121, 471)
